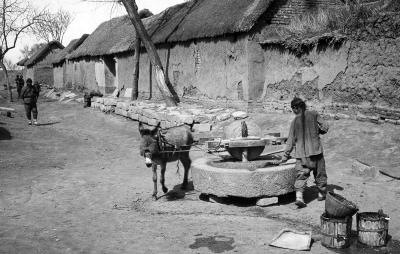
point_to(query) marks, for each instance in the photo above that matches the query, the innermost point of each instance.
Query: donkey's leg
(154, 166)
(186, 162)
(163, 166)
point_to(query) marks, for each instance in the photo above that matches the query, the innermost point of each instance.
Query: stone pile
(154, 113)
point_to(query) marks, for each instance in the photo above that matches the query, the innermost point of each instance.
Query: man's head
(29, 81)
(298, 105)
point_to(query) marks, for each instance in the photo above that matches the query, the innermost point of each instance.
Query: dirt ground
(77, 184)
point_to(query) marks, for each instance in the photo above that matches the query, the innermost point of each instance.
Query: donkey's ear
(155, 130)
(141, 128)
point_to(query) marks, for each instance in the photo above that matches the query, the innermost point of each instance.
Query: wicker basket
(338, 206)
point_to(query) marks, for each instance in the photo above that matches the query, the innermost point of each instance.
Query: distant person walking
(29, 94)
(19, 81)
(38, 89)
(304, 136)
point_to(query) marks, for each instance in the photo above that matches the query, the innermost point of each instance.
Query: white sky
(87, 17)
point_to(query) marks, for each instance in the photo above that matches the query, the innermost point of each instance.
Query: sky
(87, 17)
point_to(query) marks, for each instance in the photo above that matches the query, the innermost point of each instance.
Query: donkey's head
(149, 143)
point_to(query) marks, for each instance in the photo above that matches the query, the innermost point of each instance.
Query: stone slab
(263, 182)
(362, 169)
(202, 127)
(128, 92)
(263, 202)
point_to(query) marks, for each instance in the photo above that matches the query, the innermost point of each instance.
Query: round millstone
(269, 181)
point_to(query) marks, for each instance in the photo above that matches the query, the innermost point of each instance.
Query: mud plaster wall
(100, 75)
(287, 75)
(364, 71)
(58, 74)
(209, 68)
(125, 69)
(372, 74)
(29, 73)
(81, 73)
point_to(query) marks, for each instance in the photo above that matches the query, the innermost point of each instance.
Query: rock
(188, 119)
(239, 115)
(123, 105)
(224, 116)
(128, 93)
(70, 95)
(133, 115)
(342, 116)
(202, 127)
(364, 118)
(80, 100)
(267, 201)
(362, 169)
(110, 102)
(115, 94)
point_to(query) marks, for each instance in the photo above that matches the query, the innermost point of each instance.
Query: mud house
(64, 70)
(232, 51)
(39, 66)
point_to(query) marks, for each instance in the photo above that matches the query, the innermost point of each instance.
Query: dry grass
(345, 20)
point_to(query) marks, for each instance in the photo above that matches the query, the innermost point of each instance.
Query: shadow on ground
(44, 124)
(4, 134)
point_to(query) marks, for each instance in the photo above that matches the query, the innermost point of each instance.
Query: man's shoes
(35, 122)
(300, 203)
(29, 122)
(299, 200)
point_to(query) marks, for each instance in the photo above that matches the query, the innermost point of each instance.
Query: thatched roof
(22, 62)
(299, 44)
(190, 20)
(42, 52)
(60, 56)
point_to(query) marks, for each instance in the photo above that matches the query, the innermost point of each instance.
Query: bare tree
(52, 26)
(27, 51)
(17, 16)
(9, 64)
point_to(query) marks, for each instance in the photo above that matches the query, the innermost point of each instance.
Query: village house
(39, 66)
(212, 51)
(63, 70)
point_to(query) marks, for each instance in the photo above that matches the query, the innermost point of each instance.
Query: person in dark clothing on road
(37, 89)
(304, 136)
(20, 84)
(29, 94)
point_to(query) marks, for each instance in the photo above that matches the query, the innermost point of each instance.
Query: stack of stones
(154, 113)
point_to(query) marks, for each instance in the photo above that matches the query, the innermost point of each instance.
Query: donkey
(161, 146)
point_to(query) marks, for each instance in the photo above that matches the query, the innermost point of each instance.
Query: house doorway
(110, 72)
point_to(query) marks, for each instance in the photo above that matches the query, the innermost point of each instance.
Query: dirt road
(76, 184)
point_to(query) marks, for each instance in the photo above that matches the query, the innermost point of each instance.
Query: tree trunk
(7, 78)
(131, 8)
(135, 88)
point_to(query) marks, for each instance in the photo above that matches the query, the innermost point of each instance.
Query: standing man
(29, 95)
(36, 85)
(20, 84)
(304, 136)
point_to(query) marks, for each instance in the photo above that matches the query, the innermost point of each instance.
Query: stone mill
(248, 169)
